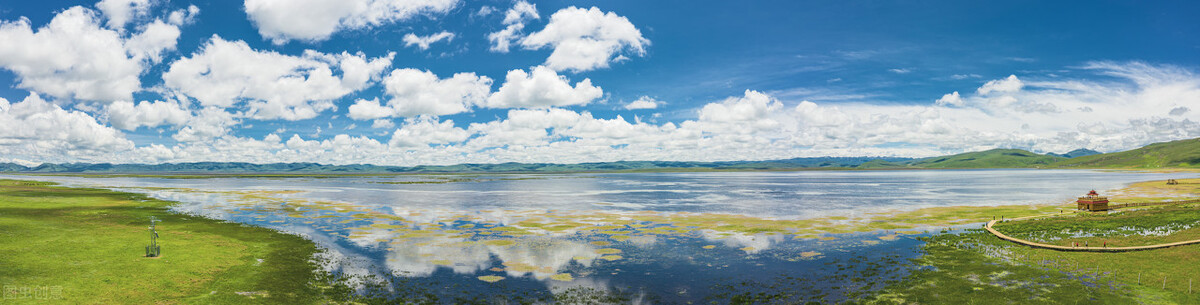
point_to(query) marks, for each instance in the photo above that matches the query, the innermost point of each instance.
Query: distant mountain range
(1082, 152)
(1176, 154)
(307, 168)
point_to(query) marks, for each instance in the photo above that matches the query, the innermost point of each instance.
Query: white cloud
(520, 12)
(1007, 85)
(125, 115)
(207, 124)
(644, 102)
(72, 57)
(542, 87)
(423, 131)
(369, 110)
(120, 12)
(414, 92)
(223, 73)
(423, 42)
(316, 20)
(484, 11)
(586, 39)
(153, 40)
(39, 129)
(950, 99)
(899, 71)
(1127, 110)
(382, 124)
(514, 22)
(182, 17)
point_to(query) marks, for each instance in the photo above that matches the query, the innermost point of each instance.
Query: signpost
(152, 250)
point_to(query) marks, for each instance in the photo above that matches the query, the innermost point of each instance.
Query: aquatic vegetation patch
(607, 251)
(562, 277)
(611, 257)
(490, 278)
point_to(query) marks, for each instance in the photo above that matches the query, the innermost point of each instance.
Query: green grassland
(979, 268)
(995, 158)
(90, 243)
(972, 268)
(1174, 154)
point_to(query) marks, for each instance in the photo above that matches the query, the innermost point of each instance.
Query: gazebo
(1092, 202)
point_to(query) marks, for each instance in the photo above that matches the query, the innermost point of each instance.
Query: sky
(411, 82)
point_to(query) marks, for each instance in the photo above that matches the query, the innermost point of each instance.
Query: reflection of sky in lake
(543, 234)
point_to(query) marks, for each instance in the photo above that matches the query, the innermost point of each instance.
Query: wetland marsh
(757, 237)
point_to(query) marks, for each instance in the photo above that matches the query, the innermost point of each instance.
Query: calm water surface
(491, 238)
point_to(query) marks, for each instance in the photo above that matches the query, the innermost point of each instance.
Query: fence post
(1139, 278)
(1164, 287)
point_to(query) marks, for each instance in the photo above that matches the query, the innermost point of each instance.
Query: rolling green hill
(995, 158)
(1174, 154)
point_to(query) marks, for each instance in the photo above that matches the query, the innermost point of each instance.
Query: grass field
(87, 246)
(978, 268)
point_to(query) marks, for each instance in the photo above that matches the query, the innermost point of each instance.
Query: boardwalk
(1003, 236)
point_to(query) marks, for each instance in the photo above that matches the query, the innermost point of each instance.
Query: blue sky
(778, 79)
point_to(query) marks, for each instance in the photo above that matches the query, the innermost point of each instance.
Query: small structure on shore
(1172, 182)
(152, 250)
(1092, 202)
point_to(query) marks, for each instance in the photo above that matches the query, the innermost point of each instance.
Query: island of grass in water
(659, 237)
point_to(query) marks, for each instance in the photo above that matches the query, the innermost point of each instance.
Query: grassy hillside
(996, 158)
(1174, 154)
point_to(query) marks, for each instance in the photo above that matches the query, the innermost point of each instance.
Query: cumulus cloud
(514, 23)
(1131, 108)
(950, 99)
(541, 87)
(120, 12)
(274, 86)
(34, 127)
(153, 40)
(414, 92)
(643, 102)
(1010, 84)
(184, 16)
(125, 115)
(205, 125)
(316, 20)
(423, 131)
(382, 124)
(423, 42)
(586, 39)
(73, 57)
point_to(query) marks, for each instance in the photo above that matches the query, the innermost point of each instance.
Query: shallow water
(458, 238)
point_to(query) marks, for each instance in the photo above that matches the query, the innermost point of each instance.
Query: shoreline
(85, 245)
(956, 216)
(205, 175)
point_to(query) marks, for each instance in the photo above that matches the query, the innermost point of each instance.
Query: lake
(627, 237)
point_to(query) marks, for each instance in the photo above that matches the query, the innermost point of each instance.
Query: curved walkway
(989, 228)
